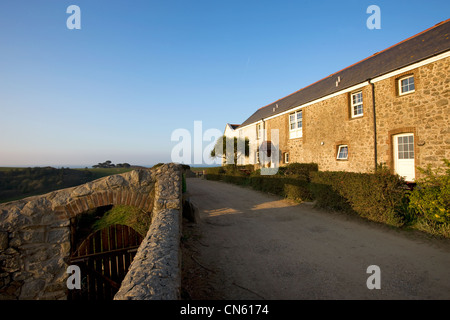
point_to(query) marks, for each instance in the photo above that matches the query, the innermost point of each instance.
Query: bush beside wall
(375, 196)
(286, 186)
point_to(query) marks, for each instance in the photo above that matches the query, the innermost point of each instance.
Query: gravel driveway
(261, 246)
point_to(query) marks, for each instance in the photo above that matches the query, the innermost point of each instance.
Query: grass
(21, 182)
(10, 168)
(98, 172)
(199, 169)
(126, 215)
(103, 172)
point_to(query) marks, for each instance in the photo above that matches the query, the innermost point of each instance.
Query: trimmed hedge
(380, 196)
(292, 188)
(299, 170)
(375, 196)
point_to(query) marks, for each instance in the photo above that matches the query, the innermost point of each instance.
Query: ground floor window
(342, 153)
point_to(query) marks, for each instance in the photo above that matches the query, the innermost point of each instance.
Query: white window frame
(400, 92)
(258, 131)
(286, 157)
(339, 152)
(295, 131)
(257, 157)
(353, 105)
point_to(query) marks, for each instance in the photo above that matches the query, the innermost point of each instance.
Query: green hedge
(375, 196)
(380, 196)
(292, 188)
(431, 198)
(299, 170)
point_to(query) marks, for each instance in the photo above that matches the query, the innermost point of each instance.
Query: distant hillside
(18, 183)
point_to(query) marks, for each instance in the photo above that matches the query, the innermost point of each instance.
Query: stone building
(391, 108)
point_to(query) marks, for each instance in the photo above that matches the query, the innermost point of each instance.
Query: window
(342, 153)
(357, 104)
(296, 125)
(258, 131)
(286, 157)
(406, 85)
(257, 157)
(405, 145)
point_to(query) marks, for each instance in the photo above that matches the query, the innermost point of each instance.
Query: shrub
(327, 197)
(431, 197)
(375, 196)
(289, 187)
(130, 216)
(299, 170)
(215, 171)
(297, 190)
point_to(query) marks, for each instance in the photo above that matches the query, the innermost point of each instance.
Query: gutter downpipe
(374, 124)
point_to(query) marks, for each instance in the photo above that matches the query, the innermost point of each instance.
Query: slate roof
(424, 45)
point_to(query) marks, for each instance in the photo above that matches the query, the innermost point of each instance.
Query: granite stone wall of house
(328, 124)
(424, 112)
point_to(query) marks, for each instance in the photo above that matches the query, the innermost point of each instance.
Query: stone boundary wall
(35, 232)
(155, 273)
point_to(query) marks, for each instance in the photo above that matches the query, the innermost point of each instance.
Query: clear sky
(137, 70)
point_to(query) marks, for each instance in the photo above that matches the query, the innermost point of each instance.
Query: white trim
(399, 83)
(411, 67)
(404, 167)
(259, 130)
(361, 85)
(358, 86)
(352, 106)
(339, 151)
(297, 132)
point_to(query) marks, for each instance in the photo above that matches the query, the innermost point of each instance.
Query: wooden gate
(104, 257)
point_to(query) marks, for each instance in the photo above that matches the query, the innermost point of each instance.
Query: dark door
(104, 258)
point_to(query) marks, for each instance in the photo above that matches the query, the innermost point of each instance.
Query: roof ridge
(356, 63)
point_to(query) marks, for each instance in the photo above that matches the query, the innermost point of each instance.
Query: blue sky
(138, 70)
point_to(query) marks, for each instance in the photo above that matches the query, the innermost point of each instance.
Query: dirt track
(251, 245)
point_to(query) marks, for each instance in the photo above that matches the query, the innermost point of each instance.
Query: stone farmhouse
(391, 108)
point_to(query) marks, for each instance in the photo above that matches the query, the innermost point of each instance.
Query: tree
(106, 164)
(220, 148)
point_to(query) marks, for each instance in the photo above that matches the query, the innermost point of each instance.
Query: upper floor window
(258, 131)
(357, 104)
(406, 85)
(296, 125)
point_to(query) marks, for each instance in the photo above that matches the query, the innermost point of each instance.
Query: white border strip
(361, 85)
(411, 67)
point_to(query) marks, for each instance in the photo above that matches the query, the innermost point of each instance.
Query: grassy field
(198, 169)
(18, 183)
(103, 172)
